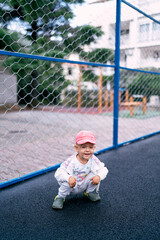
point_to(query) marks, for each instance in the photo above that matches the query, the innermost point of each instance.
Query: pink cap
(84, 137)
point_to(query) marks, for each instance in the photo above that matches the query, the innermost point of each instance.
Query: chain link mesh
(44, 103)
(139, 104)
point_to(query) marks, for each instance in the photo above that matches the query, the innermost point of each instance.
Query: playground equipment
(132, 104)
(129, 103)
(100, 85)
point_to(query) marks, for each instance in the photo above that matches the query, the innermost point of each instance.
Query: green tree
(145, 84)
(47, 27)
(11, 39)
(98, 55)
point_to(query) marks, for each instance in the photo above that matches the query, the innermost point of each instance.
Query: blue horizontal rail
(52, 59)
(139, 70)
(28, 176)
(40, 172)
(52, 168)
(137, 139)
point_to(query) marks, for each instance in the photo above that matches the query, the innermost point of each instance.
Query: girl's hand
(95, 180)
(72, 181)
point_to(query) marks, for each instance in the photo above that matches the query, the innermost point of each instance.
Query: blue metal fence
(117, 68)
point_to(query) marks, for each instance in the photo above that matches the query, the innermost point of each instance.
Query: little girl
(81, 172)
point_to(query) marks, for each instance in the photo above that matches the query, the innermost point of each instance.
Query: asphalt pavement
(129, 208)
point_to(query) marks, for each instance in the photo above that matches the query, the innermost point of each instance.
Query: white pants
(86, 185)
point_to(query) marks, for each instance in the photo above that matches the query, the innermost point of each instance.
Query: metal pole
(79, 88)
(117, 74)
(100, 92)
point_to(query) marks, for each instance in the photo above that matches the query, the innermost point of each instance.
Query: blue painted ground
(129, 206)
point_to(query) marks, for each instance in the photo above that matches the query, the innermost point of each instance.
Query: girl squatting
(81, 172)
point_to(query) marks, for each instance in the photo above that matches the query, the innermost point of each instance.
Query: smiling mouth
(87, 154)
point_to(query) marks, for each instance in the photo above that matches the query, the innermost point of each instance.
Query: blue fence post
(117, 74)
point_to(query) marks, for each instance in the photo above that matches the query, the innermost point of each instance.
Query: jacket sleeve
(64, 171)
(101, 170)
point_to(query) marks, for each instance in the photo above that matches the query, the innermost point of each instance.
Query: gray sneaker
(93, 196)
(58, 203)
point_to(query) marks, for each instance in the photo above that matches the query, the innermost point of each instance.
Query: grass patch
(138, 114)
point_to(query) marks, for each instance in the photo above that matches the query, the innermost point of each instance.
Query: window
(125, 32)
(70, 71)
(124, 36)
(155, 31)
(144, 32)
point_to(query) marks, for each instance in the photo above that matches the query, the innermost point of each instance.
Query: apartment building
(140, 36)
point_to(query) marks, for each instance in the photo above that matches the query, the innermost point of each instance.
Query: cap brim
(86, 141)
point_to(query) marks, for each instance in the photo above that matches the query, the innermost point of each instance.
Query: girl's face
(85, 151)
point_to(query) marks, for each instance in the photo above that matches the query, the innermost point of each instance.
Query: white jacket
(66, 169)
